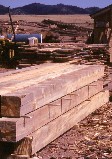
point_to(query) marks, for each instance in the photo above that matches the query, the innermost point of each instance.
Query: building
(102, 33)
(102, 25)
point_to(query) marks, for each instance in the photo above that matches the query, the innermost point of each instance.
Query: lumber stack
(40, 104)
(59, 52)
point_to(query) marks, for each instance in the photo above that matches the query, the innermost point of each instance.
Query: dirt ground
(34, 24)
(38, 18)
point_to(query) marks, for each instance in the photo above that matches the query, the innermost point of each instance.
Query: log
(63, 123)
(14, 129)
(20, 102)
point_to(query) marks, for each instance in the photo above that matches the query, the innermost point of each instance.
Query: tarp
(24, 37)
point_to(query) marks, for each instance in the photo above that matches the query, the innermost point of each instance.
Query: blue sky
(79, 3)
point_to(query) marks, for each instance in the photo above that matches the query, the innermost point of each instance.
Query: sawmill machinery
(8, 53)
(8, 49)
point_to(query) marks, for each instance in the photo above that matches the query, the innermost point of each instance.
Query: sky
(79, 3)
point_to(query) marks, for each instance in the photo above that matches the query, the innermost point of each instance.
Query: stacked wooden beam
(57, 52)
(42, 103)
(63, 52)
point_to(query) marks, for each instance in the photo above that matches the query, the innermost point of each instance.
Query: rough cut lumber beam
(57, 127)
(25, 80)
(13, 77)
(97, 46)
(21, 102)
(28, 70)
(13, 72)
(19, 128)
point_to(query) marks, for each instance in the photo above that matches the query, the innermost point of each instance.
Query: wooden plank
(17, 104)
(14, 129)
(63, 123)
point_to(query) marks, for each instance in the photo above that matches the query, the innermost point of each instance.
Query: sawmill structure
(102, 32)
(102, 26)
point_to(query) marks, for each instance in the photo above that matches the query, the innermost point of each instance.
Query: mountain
(3, 10)
(42, 9)
(92, 10)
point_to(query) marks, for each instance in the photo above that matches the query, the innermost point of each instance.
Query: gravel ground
(90, 139)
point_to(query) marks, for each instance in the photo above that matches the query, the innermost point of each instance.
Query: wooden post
(110, 43)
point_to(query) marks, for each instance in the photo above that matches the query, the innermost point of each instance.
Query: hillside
(91, 10)
(3, 9)
(42, 9)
